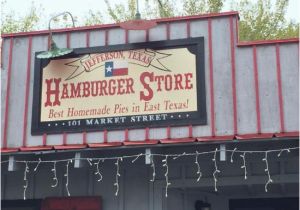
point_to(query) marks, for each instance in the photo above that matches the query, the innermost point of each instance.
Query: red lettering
(168, 82)
(129, 86)
(178, 80)
(159, 79)
(111, 87)
(86, 89)
(65, 93)
(54, 92)
(121, 90)
(188, 84)
(143, 77)
(75, 91)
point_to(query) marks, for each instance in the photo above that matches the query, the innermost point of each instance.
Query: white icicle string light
(165, 164)
(216, 169)
(26, 170)
(98, 170)
(67, 177)
(231, 158)
(281, 151)
(39, 161)
(178, 156)
(265, 159)
(137, 157)
(117, 175)
(90, 161)
(35, 169)
(198, 166)
(244, 164)
(54, 175)
(153, 168)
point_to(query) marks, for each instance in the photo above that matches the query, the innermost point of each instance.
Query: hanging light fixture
(54, 51)
(138, 23)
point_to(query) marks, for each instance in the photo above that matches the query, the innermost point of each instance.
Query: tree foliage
(11, 23)
(259, 19)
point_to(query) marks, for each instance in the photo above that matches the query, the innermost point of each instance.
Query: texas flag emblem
(116, 68)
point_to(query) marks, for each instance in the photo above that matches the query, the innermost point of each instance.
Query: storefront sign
(123, 86)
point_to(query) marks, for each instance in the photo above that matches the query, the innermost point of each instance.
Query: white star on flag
(108, 69)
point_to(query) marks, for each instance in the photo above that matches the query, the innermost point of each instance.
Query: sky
(80, 8)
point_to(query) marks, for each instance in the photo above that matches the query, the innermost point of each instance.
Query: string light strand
(244, 164)
(54, 175)
(117, 175)
(231, 158)
(265, 159)
(279, 154)
(216, 169)
(153, 168)
(198, 166)
(67, 177)
(165, 164)
(26, 170)
(137, 157)
(98, 170)
(35, 169)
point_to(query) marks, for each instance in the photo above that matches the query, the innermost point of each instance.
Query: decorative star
(108, 69)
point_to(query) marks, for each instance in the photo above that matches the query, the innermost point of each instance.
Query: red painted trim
(288, 134)
(237, 29)
(133, 143)
(84, 140)
(44, 139)
(266, 42)
(126, 36)
(8, 150)
(168, 132)
(116, 25)
(168, 31)
(70, 146)
(215, 138)
(190, 131)
(211, 80)
(27, 91)
(4, 140)
(233, 76)
(68, 39)
(278, 70)
(188, 29)
(105, 136)
(87, 39)
(147, 35)
(254, 136)
(147, 134)
(64, 139)
(106, 37)
(37, 148)
(126, 135)
(110, 144)
(179, 140)
(257, 100)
